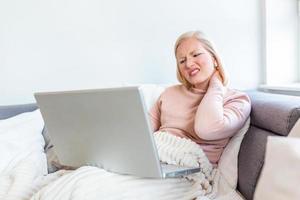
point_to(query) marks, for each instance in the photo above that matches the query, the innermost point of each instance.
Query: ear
(216, 65)
(215, 62)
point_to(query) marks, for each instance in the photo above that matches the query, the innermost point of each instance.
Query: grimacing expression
(195, 63)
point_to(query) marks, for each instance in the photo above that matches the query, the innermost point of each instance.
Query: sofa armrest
(275, 112)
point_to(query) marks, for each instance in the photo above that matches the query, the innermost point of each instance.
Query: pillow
(295, 131)
(151, 92)
(228, 163)
(280, 175)
(20, 137)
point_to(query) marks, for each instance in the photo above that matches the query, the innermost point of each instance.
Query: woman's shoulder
(175, 88)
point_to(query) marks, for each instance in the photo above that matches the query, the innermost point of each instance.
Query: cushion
(18, 135)
(14, 110)
(151, 92)
(295, 132)
(228, 163)
(280, 175)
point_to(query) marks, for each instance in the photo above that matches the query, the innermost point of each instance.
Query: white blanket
(23, 171)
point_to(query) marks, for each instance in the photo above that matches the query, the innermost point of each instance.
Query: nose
(189, 63)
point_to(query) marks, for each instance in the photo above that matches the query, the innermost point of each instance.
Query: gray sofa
(271, 114)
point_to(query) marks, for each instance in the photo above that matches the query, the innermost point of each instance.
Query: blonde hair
(208, 46)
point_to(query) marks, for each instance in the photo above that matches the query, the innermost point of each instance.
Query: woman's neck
(202, 86)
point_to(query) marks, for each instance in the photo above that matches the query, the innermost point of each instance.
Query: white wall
(61, 44)
(281, 33)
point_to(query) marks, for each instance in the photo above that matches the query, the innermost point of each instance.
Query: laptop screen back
(108, 128)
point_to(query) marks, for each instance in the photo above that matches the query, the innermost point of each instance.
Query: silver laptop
(108, 128)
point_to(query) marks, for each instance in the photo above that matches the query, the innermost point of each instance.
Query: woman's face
(195, 63)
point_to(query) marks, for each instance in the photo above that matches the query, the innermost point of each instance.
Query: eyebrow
(192, 52)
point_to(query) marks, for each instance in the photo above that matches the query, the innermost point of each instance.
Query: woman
(201, 108)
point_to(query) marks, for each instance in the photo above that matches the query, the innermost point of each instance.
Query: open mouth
(194, 72)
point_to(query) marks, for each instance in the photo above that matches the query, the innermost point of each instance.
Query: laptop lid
(108, 128)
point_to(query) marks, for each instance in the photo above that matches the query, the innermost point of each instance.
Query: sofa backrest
(12, 110)
(271, 114)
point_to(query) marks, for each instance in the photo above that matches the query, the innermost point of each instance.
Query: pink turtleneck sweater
(209, 118)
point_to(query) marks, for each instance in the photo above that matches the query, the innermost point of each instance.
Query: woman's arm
(154, 115)
(215, 120)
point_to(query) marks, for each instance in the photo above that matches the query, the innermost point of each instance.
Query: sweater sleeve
(217, 120)
(154, 115)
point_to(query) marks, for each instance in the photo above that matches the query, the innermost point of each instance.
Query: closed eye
(197, 54)
(182, 61)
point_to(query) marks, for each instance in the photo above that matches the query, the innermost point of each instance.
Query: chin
(198, 81)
